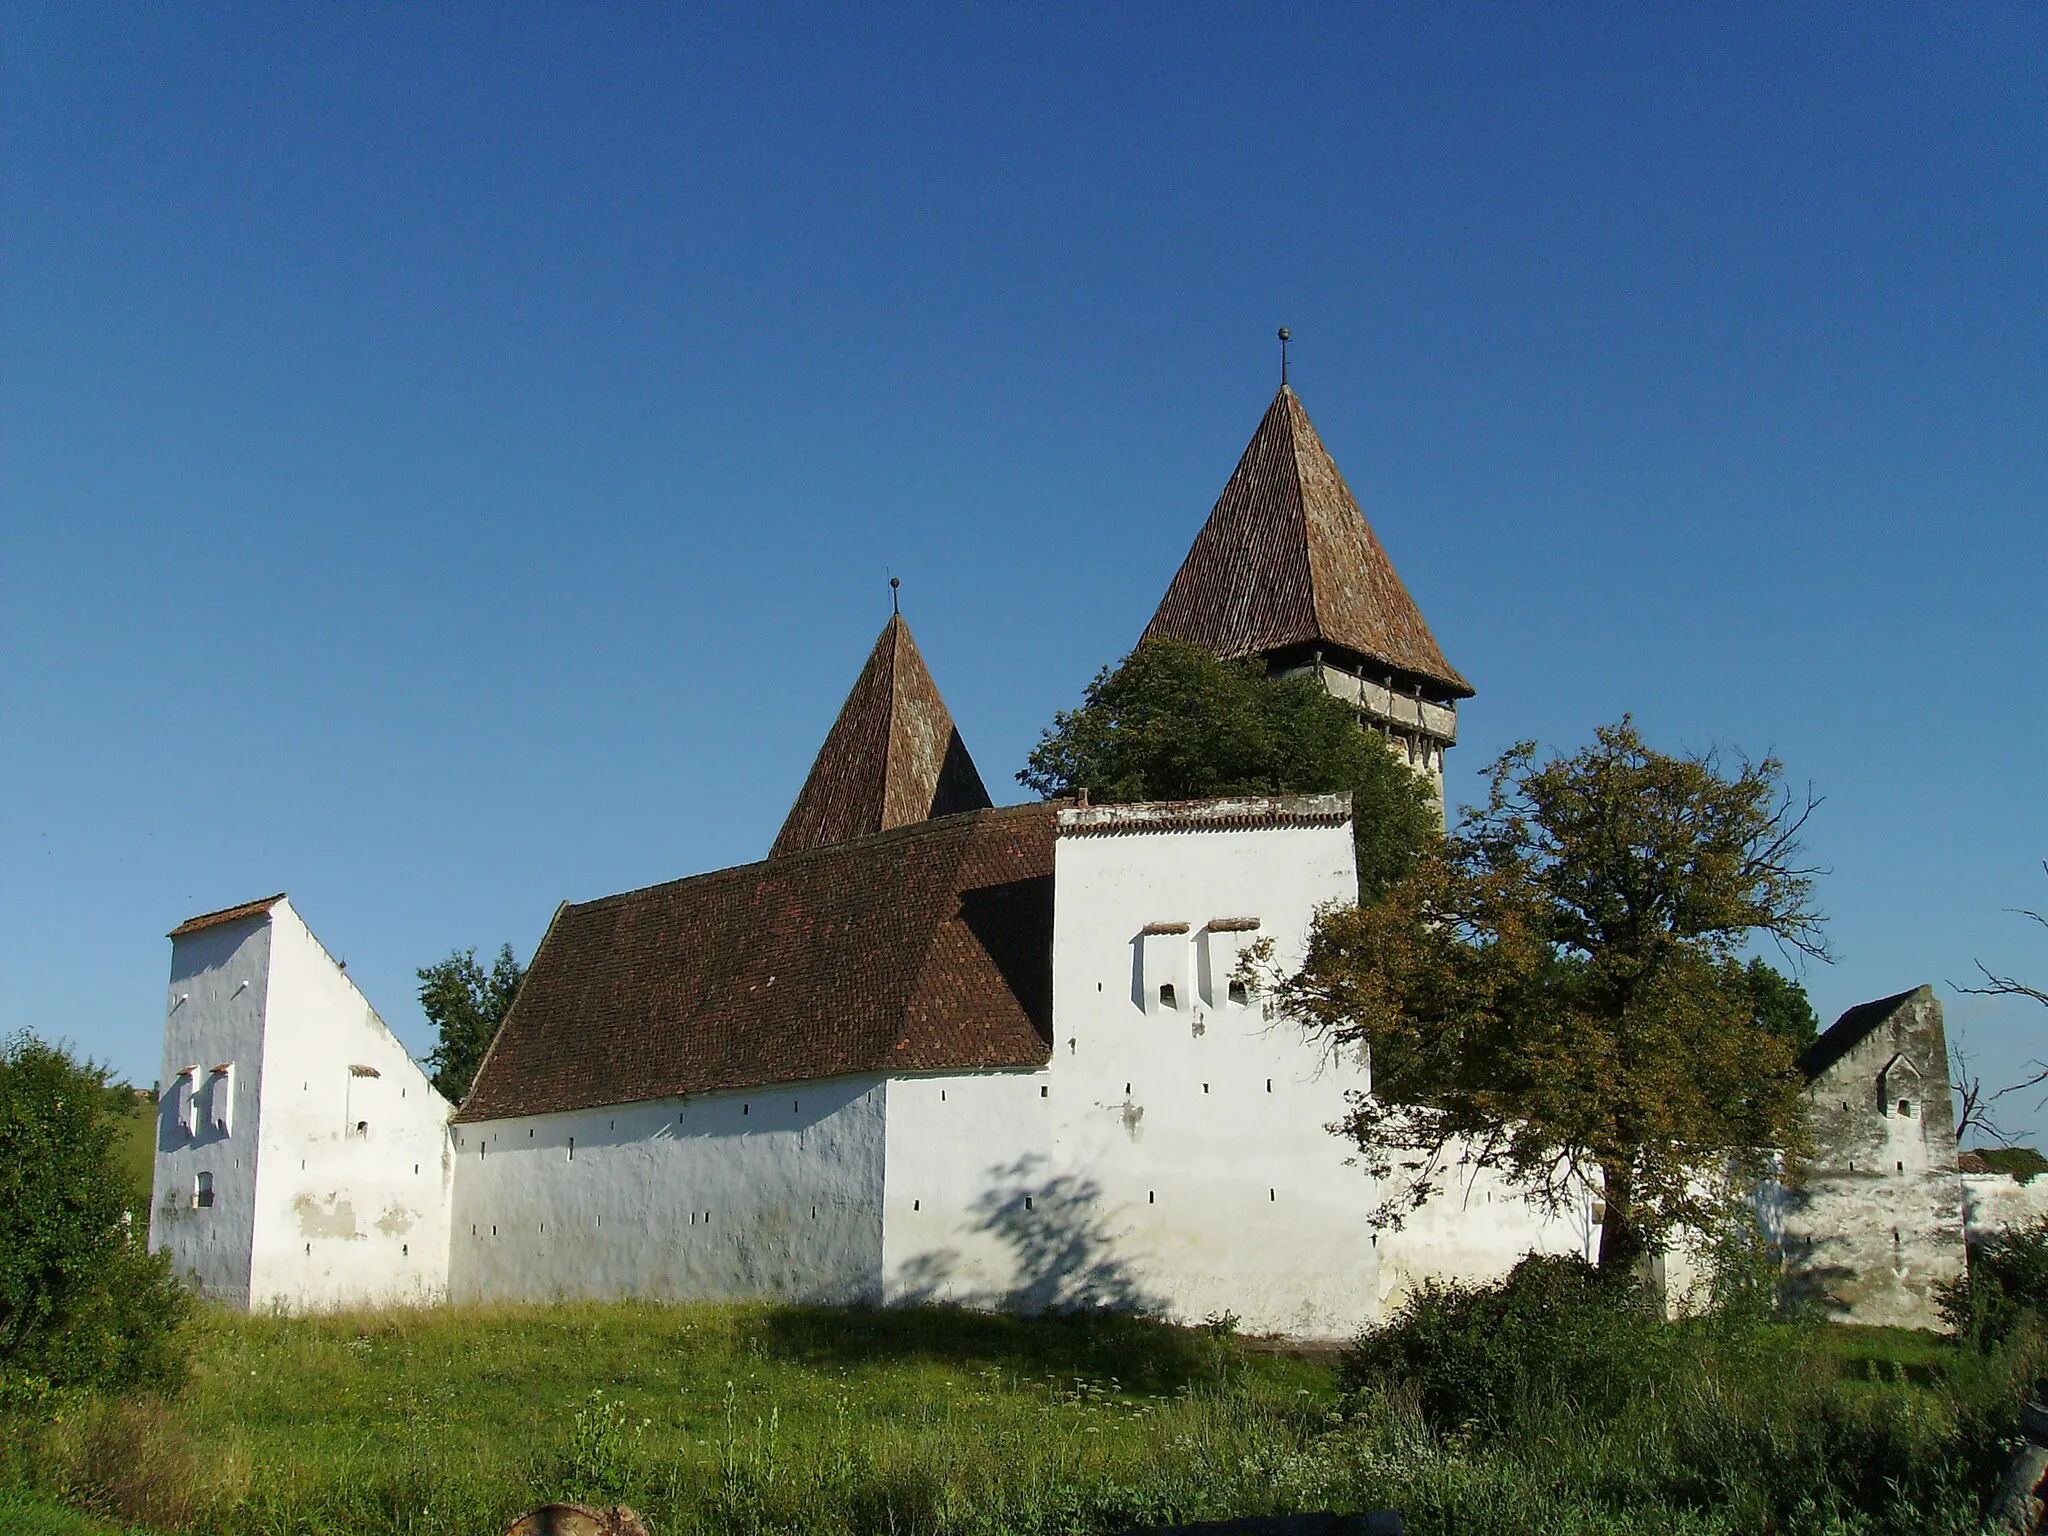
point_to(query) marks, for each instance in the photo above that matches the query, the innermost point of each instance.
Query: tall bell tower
(1288, 569)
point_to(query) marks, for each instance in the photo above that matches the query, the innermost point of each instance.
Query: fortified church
(929, 1048)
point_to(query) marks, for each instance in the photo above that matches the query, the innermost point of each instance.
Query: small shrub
(1474, 1352)
(2004, 1288)
(604, 1450)
(128, 1459)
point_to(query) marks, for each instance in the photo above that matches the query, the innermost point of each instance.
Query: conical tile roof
(893, 757)
(1288, 559)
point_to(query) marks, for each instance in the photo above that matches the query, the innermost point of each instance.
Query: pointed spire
(893, 756)
(1288, 559)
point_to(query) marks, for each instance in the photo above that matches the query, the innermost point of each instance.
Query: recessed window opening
(942, 1095)
(1906, 1107)
(362, 1127)
(572, 1149)
(1027, 1202)
(529, 1133)
(1272, 1194)
(1166, 995)
(1044, 1091)
(916, 1205)
(415, 1167)
(1269, 1085)
(1902, 1167)
(202, 1192)
(746, 1109)
(1151, 1197)
(405, 1250)
(1238, 995)
(792, 1106)
(1127, 1087)
(1205, 1087)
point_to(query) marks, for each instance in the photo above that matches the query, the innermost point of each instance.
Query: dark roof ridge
(1853, 1028)
(239, 910)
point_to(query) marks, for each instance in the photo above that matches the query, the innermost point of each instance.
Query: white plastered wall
(214, 1018)
(1175, 1158)
(1992, 1201)
(352, 1207)
(771, 1192)
(1476, 1228)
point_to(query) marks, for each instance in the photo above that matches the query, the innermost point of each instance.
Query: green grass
(23, 1514)
(756, 1419)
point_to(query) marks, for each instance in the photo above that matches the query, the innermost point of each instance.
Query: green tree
(1555, 993)
(1172, 722)
(466, 1004)
(82, 1300)
(1781, 1005)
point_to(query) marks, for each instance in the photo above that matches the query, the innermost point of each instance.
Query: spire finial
(895, 606)
(1285, 337)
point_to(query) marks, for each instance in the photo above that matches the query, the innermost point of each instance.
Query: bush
(1554, 1326)
(82, 1301)
(2004, 1288)
(2023, 1164)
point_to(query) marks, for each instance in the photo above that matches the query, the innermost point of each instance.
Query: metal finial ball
(895, 582)
(1285, 334)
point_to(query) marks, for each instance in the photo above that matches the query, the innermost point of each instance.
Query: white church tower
(301, 1156)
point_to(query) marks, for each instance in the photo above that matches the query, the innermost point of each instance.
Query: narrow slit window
(202, 1192)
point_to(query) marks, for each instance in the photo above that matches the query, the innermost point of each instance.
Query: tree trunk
(1621, 1245)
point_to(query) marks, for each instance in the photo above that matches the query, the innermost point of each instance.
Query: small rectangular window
(185, 1101)
(220, 1098)
(1167, 995)
(202, 1192)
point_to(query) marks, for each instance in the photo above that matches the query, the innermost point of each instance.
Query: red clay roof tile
(893, 756)
(1288, 559)
(928, 948)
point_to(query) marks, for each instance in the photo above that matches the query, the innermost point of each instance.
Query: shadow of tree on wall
(1071, 1303)
(1805, 1283)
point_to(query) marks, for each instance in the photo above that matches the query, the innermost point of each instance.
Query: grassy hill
(757, 1419)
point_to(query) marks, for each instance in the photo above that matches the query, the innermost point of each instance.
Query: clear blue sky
(451, 458)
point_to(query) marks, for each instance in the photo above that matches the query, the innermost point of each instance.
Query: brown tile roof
(893, 756)
(924, 949)
(224, 915)
(1288, 559)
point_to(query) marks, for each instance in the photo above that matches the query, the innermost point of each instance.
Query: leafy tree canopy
(1781, 1005)
(466, 1004)
(1555, 991)
(1172, 722)
(82, 1300)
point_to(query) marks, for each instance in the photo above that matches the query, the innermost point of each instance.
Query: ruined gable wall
(1877, 1222)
